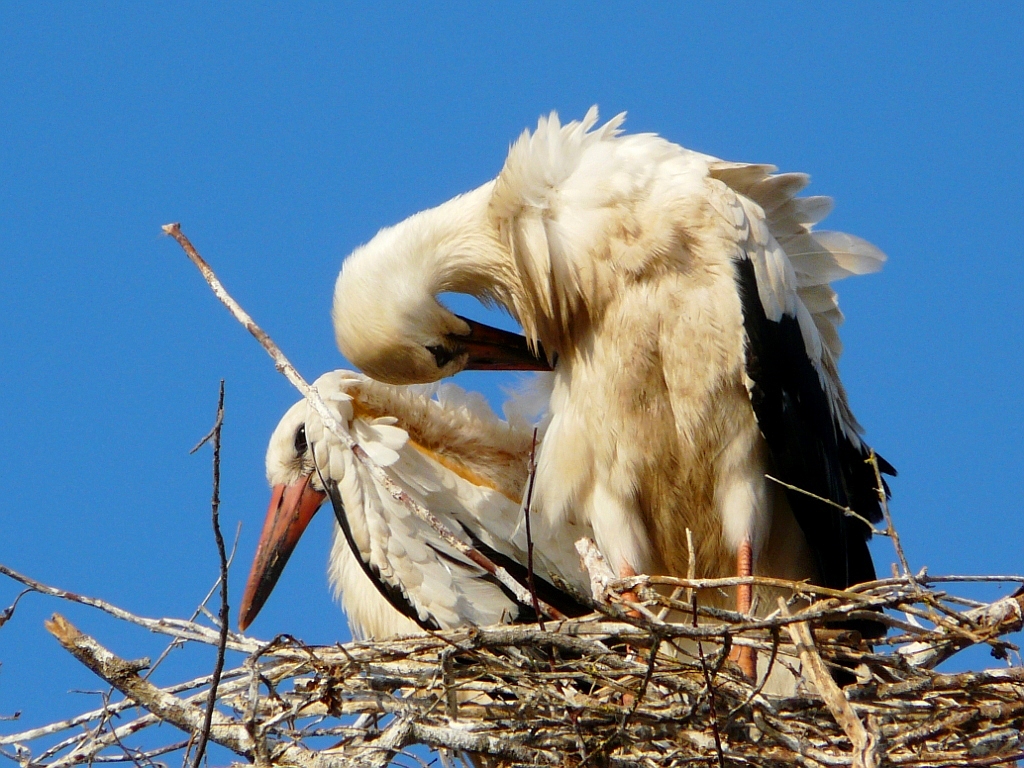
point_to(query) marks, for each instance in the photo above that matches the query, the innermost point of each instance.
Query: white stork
(685, 306)
(393, 574)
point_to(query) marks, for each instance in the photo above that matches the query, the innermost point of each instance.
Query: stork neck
(469, 257)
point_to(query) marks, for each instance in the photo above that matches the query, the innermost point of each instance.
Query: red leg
(626, 571)
(745, 656)
(744, 567)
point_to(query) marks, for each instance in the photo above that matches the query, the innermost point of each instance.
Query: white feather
(618, 254)
(443, 452)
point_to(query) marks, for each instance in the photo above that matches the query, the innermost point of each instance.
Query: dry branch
(211, 702)
(866, 745)
(595, 691)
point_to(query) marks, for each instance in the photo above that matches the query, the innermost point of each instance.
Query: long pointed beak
(492, 349)
(291, 509)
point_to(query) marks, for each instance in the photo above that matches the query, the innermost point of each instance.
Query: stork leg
(626, 571)
(744, 655)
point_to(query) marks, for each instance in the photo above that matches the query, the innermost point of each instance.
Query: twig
(224, 616)
(124, 676)
(866, 745)
(845, 510)
(283, 365)
(8, 612)
(199, 609)
(764, 680)
(712, 706)
(691, 564)
(86, 717)
(883, 502)
(184, 630)
(652, 659)
(529, 531)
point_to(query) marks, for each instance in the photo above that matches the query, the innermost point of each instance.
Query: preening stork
(393, 574)
(684, 303)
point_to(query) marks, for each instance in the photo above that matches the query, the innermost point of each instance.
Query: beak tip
(492, 349)
(291, 509)
(245, 615)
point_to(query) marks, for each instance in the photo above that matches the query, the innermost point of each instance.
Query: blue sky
(283, 136)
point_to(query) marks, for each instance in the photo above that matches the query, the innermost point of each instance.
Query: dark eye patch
(301, 445)
(442, 355)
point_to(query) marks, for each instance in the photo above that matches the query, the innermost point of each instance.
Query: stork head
(387, 318)
(297, 495)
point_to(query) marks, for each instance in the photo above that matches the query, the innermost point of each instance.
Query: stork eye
(301, 445)
(442, 355)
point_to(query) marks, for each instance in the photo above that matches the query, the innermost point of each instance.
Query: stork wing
(790, 317)
(421, 575)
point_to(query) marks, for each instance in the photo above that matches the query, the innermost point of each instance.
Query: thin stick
(691, 573)
(883, 502)
(710, 688)
(200, 609)
(529, 531)
(866, 746)
(224, 615)
(845, 510)
(123, 675)
(522, 594)
(651, 661)
(86, 717)
(8, 612)
(184, 630)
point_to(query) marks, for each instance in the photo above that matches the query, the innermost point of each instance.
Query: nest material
(610, 689)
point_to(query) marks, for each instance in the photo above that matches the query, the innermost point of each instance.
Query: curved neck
(467, 255)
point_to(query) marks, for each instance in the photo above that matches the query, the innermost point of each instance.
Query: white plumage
(448, 451)
(685, 305)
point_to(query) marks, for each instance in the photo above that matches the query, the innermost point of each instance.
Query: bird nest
(624, 686)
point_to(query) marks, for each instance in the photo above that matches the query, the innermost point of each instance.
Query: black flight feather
(808, 449)
(393, 593)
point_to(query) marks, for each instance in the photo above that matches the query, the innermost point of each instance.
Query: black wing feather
(399, 599)
(808, 448)
(546, 591)
(393, 593)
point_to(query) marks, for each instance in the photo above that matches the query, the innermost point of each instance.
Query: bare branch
(989, 621)
(124, 676)
(890, 529)
(527, 504)
(183, 630)
(866, 745)
(224, 615)
(845, 510)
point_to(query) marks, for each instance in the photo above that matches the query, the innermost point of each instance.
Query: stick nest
(615, 688)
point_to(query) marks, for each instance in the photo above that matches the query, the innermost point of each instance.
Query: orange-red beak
(291, 509)
(492, 349)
